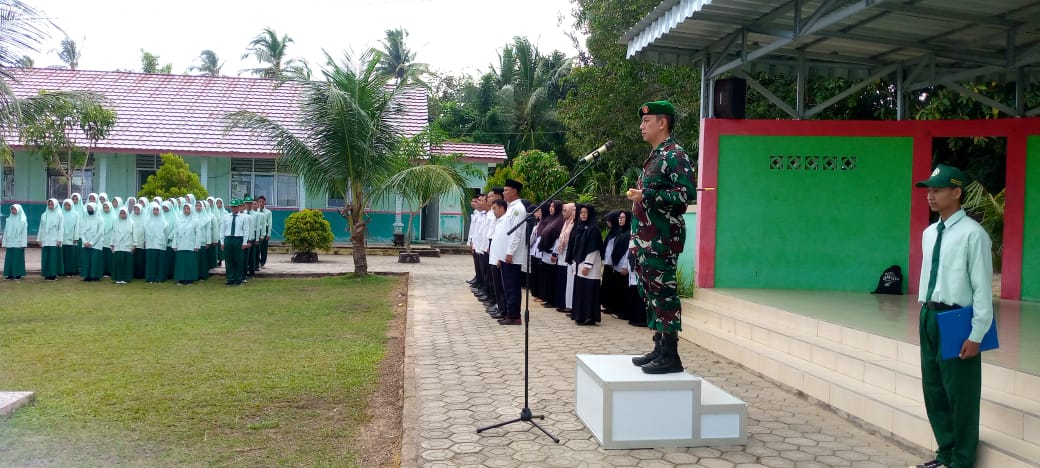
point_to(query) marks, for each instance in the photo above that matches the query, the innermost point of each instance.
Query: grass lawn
(276, 372)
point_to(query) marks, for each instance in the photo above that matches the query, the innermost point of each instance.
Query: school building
(184, 115)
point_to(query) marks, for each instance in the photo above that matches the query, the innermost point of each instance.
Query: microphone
(597, 152)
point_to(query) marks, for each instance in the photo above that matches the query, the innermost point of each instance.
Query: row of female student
(577, 271)
(178, 239)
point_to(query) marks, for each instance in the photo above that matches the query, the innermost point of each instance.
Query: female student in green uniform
(92, 234)
(122, 248)
(109, 218)
(137, 215)
(203, 225)
(50, 234)
(70, 237)
(185, 242)
(155, 245)
(16, 237)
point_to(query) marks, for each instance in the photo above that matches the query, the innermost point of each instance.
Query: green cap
(657, 108)
(944, 176)
(236, 202)
(248, 200)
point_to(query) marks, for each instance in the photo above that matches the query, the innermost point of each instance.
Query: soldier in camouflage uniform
(665, 187)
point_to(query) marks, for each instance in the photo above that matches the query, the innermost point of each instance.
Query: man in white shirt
(496, 254)
(956, 272)
(514, 262)
(474, 229)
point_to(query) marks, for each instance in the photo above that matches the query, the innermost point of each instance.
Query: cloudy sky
(453, 36)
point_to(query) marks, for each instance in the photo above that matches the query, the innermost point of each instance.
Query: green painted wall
(1031, 230)
(688, 257)
(801, 228)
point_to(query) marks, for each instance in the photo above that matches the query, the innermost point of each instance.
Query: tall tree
(70, 53)
(208, 64)
(26, 62)
(150, 64)
(270, 50)
(398, 61)
(345, 143)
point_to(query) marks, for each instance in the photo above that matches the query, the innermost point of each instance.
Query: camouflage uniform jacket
(668, 186)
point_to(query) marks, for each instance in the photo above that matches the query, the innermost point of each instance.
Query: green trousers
(952, 390)
(234, 259)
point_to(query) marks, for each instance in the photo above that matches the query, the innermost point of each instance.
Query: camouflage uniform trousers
(659, 289)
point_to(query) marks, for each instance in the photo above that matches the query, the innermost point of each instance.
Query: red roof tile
(184, 113)
(474, 152)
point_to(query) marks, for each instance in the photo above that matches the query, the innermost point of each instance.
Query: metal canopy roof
(935, 40)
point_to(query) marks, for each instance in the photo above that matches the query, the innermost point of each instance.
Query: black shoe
(638, 324)
(498, 316)
(668, 362)
(928, 464)
(509, 321)
(649, 357)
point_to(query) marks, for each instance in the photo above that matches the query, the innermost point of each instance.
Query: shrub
(173, 179)
(308, 231)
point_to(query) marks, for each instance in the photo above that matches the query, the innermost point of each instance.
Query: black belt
(940, 307)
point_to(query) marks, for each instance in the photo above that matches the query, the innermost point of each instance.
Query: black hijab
(622, 238)
(585, 236)
(550, 231)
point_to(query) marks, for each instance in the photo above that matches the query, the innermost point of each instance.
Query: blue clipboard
(954, 328)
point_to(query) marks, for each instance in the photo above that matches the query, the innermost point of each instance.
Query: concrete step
(878, 389)
(11, 401)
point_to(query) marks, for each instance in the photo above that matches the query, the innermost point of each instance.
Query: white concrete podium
(625, 408)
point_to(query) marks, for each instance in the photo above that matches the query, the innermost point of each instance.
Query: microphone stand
(525, 413)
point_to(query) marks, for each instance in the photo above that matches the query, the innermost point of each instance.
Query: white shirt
(965, 276)
(517, 247)
(499, 241)
(242, 225)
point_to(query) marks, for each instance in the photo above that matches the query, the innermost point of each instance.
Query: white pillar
(301, 193)
(102, 173)
(204, 173)
(398, 223)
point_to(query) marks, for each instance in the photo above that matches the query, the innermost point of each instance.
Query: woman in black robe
(588, 259)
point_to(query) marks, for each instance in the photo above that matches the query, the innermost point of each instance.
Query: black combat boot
(648, 357)
(668, 362)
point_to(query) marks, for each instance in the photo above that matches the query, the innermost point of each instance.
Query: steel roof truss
(765, 92)
(948, 15)
(827, 20)
(854, 88)
(980, 98)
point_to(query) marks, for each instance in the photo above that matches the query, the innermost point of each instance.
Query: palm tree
(70, 53)
(209, 64)
(22, 30)
(345, 145)
(530, 85)
(269, 49)
(398, 61)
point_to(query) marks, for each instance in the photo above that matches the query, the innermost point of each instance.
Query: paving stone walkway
(464, 371)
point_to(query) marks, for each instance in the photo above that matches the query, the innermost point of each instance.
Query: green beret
(657, 108)
(234, 202)
(248, 200)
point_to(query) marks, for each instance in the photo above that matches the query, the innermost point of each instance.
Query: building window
(255, 177)
(57, 184)
(147, 164)
(7, 184)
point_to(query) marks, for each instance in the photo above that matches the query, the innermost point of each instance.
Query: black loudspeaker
(730, 99)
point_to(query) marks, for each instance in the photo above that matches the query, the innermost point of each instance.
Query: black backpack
(891, 281)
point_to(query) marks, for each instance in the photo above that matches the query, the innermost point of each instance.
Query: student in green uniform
(235, 225)
(16, 237)
(154, 245)
(92, 234)
(170, 216)
(265, 230)
(122, 242)
(109, 217)
(956, 272)
(185, 242)
(251, 238)
(70, 237)
(203, 223)
(221, 212)
(50, 234)
(137, 215)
